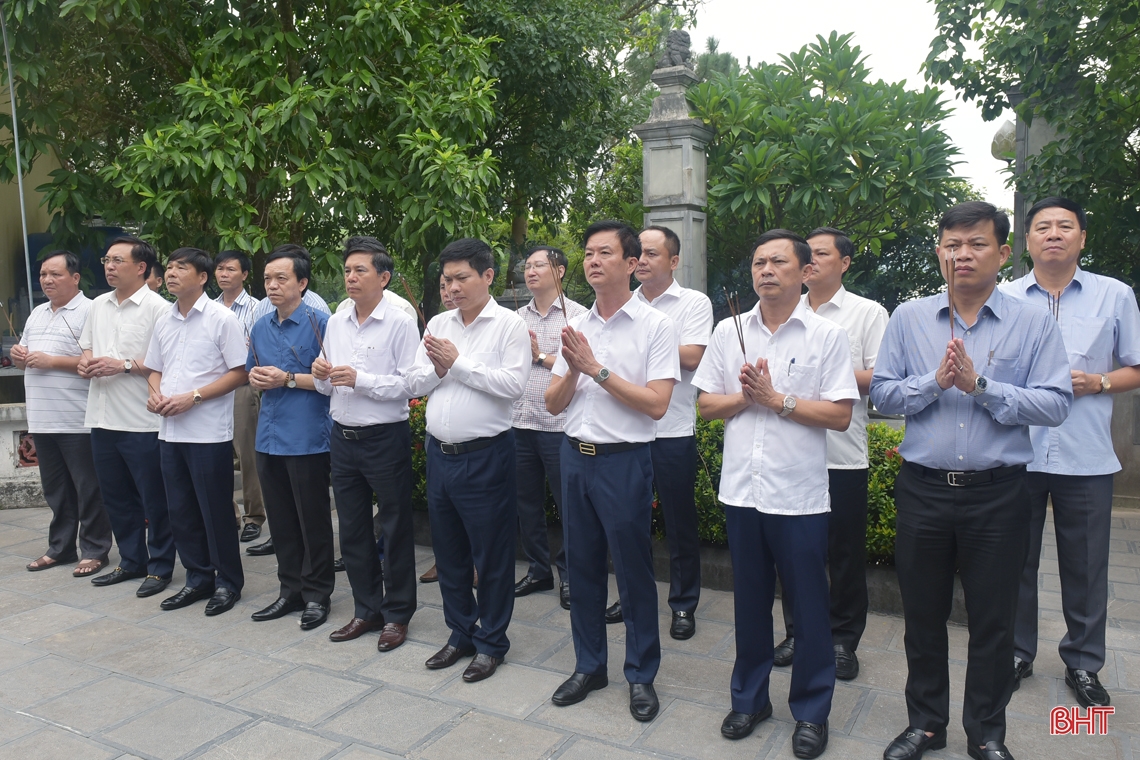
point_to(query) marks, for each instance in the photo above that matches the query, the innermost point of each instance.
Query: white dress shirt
(474, 399)
(381, 350)
(865, 322)
(692, 315)
(121, 331)
(637, 344)
(56, 398)
(393, 299)
(191, 352)
(772, 463)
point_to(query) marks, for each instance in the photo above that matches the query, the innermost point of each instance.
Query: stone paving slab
(100, 674)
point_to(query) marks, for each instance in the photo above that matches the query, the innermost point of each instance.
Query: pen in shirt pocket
(793, 361)
(990, 360)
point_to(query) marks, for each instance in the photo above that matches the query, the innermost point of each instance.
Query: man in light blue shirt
(962, 495)
(1073, 464)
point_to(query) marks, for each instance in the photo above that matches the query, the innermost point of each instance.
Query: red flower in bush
(414, 402)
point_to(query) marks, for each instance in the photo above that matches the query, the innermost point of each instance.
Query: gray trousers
(71, 489)
(1082, 518)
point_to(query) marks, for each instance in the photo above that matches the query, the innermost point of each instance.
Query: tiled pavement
(97, 673)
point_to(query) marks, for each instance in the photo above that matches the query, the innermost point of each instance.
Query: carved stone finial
(677, 50)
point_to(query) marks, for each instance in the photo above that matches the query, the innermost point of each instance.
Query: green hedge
(883, 443)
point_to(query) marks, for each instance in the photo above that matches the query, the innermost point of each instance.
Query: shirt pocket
(132, 341)
(1088, 342)
(1011, 370)
(799, 380)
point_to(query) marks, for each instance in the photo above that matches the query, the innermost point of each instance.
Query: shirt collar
(138, 296)
(673, 291)
(799, 314)
(377, 313)
(995, 304)
(295, 317)
(488, 312)
(73, 303)
(836, 300)
(1079, 276)
(199, 306)
(555, 305)
(630, 308)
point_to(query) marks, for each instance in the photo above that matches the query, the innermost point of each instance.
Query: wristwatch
(602, 376)
(541, 359)
(290, 380)
(980, 386)
(789, 406)
(1105, 384)
(127, 366)
(197, 397)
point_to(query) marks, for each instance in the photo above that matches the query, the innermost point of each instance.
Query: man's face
(1055, 237)
(777, 272)
(361, 280)
(539, 272)
(444, 298)
(466, 287)
(58, 284)
(281, 284)
(229, 275)
(184, 279)
(604, 264)
(976, 254)
(655, 264)
(827, 265)
(121, 269)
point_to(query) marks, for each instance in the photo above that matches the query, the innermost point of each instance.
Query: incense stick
(415, 303)
(734, 309)
(550, 257)
(1055, 305)
(8, 316)
(317, 333)
(249, 342)
(70, 328)
(951, 264)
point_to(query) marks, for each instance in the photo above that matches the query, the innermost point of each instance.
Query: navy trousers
(199, 489)
(675, 475)
(538, 460)
(130, 478)
(471, 503)
(608, 501)
(796, 546)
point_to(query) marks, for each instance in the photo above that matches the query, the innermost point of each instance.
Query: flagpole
(19, 162)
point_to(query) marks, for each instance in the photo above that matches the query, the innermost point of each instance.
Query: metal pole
(19, 162)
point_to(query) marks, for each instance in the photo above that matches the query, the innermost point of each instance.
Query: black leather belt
(358, 433)
(475, 444)
(593, 449)
(959, 479)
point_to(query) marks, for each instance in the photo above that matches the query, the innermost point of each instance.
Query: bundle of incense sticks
(734, 307)
(317, 333)
(550, 257)
(415, 303)
(8, 316)
(951, 265)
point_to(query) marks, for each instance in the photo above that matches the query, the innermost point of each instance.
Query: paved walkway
(88, 673)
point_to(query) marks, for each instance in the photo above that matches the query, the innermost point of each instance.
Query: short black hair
(472, 250)
(302, 261)
(630, 242)
(71, 261)
(672, 242)
(1056, 201)
(142, 252)
(559, 256)
(195, 257)
(802, 249)
(160, 269)
(972, 213)
(241, 258)
(843, 243)
(381, 261)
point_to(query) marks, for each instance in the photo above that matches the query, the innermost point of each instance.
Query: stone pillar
(674, 185)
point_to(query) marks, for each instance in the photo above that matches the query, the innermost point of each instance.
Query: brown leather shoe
(392, 636)
(356, 628)
(447, 657)
(483, 666)
(431, 576)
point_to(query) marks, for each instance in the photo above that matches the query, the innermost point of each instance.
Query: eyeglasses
(112, 260)
(536, 266)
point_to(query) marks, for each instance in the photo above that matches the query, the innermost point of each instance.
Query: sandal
(43, 563)
(88, 567)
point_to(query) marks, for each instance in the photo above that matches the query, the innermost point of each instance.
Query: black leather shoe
(223, 600)
(737, 725)
(613, 613)
(278, 609)
(315, 614)
(643, 704)
(151, 586)
(1087, 687)
(338, 565)
(118, 575)
(186, 597)
(249, 532)
(809, 739)
(782, 654)
(684, 625)
(577, 687)
(261, 550)
(1021, 669)
(992, 751)
(910, 744)
(564, 595)
(846, 663)
(447, 657)
(529, 584)
(481, 667)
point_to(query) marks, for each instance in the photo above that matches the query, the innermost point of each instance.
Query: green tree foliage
(712, 61)
(1075, 63)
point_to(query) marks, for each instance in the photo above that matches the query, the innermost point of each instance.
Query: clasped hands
(267, 378)
(340, 375)
(442, 353)
(956, 368)
(756, 385)
(578, 354)
(169, 406)
(103, 366)
(31, 359)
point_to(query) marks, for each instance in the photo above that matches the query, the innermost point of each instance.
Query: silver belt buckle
(444, 447)
(952, 479)
(349, 435)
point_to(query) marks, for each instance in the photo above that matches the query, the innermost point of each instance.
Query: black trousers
(537, 461)
(846, 559)
(71, 488)
(675, 477)
(296, 493)
(983, 532)
(380, 464)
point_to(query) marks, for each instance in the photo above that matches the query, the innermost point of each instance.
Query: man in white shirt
(369, 348)
(56, 396)
(774, 480)
(393, 298)
(231, 270)
(474, 361)
(865, 322)
(124, 435)
(613, 378)
(197, 354)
